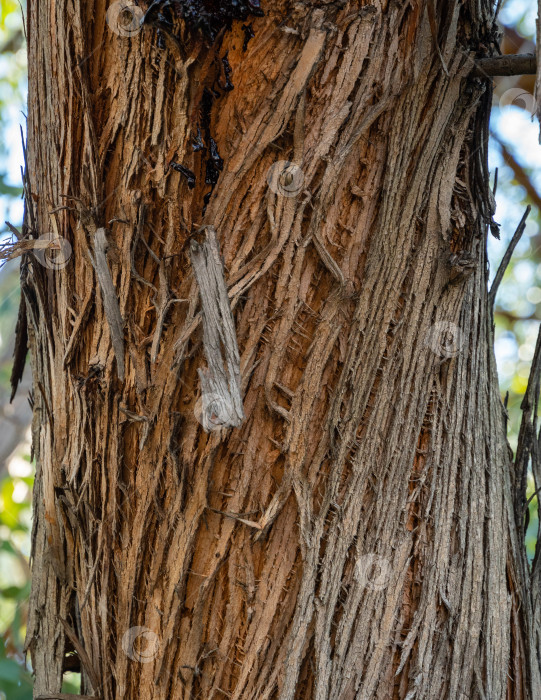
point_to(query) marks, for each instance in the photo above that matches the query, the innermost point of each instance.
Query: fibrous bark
(221, 401)
(356, 536)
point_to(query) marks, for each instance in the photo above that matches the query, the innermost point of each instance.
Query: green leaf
(15, 592)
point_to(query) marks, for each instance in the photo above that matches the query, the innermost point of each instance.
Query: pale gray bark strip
(220, 383)
(110, 299)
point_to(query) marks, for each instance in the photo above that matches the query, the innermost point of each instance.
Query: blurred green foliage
(14, 684)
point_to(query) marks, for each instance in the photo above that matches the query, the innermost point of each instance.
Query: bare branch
(527, 434)
(507, 257)
(519, 64)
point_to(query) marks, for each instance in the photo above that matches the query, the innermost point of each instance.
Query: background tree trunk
(359, 536)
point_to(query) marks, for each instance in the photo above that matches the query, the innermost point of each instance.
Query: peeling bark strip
(109, 298)
(220, 383)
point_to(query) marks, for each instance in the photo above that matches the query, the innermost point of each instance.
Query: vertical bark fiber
(356, 536)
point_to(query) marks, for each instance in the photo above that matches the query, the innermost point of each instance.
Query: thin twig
(527, 435)
(15, 231)
(534, 494)
(507, 257)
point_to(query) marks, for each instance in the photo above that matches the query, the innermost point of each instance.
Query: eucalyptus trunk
(360, 534)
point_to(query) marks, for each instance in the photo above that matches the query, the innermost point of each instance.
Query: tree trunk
(360, 535)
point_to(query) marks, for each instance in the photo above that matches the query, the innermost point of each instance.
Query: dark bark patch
(208, 17)
(248, 35)
(183, 170)
(228, 73)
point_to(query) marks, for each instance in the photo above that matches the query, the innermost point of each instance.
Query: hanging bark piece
(221, 402)
(110, 300)
(20, 349)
